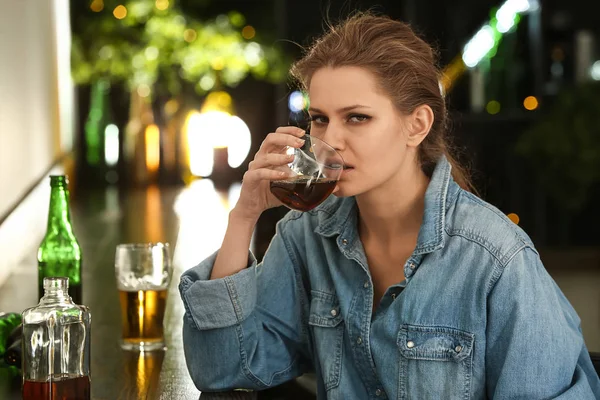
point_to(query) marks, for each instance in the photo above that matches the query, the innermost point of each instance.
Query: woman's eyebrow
(341, 110)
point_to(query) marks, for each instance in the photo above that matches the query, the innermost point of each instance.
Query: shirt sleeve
(535, 348)
(248, 330)
(218, 303)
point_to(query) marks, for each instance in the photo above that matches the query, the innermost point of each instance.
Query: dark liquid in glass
(62, 388)
(302, 194)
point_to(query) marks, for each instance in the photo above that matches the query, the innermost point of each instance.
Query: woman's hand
(255, 196)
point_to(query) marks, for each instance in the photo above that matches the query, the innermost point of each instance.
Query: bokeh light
(493, 107)
(596, 71)
(218, 63)
(297, 101)
(237, 19)
(162, 4)
(479, 46)
(253, 54)
(218, 101)
(111, 145)
(97, 5)
(485, 42)
(143, 90)
(120, 12)
(152, 136)
(207, 82)
(151, 53)
(171, 107)
(209, 130)
(530, 103)
(189, 35)
(514, 218)
(248, 32)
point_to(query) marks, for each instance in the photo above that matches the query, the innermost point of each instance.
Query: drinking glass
(143, 272)
(312, 175)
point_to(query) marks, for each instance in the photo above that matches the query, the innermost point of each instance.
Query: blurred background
(154, 109)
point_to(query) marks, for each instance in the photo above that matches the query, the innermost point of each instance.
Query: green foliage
(564, 146)
(150, 46)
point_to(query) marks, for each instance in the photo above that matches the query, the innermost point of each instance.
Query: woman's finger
(277, 142)
(292, 130)
(270, 160)
(262, 174)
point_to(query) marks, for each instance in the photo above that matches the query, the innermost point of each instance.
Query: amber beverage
(143, 272)
(142, 314)
(312, 175)
(64, 388)
(302, 193)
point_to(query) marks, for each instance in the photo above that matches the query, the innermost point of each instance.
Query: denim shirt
(477, 316)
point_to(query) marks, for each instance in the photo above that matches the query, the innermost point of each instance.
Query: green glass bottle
(59, 254)
(12, 356)
(8, 323)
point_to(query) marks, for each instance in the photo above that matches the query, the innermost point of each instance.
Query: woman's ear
(419, 124)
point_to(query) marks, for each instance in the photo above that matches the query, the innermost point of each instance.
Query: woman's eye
(358, 118)
(318, 119)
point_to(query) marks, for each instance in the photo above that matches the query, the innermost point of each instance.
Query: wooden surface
(102, 220)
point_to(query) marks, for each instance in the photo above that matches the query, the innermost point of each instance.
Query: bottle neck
(56, 290)
(59, 218)
(55, 295)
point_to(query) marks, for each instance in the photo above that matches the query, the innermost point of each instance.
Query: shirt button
(393, 296)
(359, 340)
(344, 242)
(458, 349)
(410, 344)
(334, 312)
(366, 285)
(378, 392)
(411, 266)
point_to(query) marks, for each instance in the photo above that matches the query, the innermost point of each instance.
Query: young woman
(402, 285)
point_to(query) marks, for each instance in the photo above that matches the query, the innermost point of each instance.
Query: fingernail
(300, 142)
(282, 174)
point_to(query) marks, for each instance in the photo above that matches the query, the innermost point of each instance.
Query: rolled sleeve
(218, 303)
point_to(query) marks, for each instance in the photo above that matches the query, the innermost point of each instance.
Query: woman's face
(349, 112)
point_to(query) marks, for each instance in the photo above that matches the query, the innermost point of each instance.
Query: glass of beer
(143, 274)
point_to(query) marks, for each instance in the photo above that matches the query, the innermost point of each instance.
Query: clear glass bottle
(56, 346)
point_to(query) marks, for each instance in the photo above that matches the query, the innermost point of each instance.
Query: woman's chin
(341, 191)
(336, 192)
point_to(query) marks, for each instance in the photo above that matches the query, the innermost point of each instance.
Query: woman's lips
(346, 171)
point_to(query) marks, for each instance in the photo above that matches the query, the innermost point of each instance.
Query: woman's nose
(334, 137)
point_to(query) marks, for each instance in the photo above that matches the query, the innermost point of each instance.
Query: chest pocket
(327, 329)
(435, 363)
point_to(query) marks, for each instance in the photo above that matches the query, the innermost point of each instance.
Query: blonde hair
(406, 70)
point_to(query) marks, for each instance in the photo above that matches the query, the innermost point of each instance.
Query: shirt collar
(335, 214)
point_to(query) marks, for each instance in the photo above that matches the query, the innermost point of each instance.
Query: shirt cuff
(218, 303)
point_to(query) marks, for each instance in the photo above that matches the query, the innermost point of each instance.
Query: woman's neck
(395, 209)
